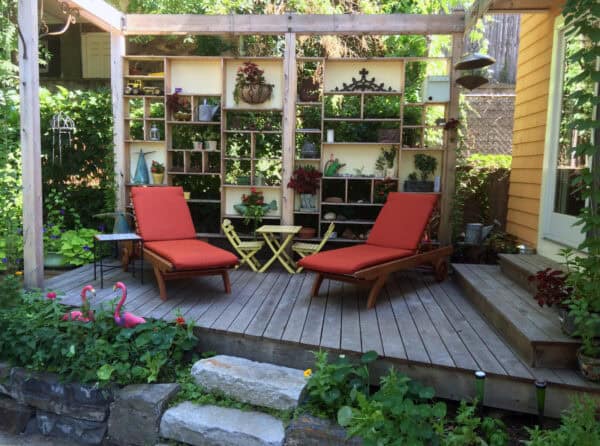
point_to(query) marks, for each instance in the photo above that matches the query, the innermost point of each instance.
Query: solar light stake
(480, 386)
(540, 394)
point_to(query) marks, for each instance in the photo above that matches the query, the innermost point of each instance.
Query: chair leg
(226, 281)
(440, 270)
(317, 285)
(160, 280)
(375, 290)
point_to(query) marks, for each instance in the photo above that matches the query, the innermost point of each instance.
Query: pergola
(120, 25)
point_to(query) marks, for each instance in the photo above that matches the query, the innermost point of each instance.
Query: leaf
(344, 416)
(368, 357)
(105, 372)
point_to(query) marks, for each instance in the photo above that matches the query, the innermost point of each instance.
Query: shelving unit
(250, 138)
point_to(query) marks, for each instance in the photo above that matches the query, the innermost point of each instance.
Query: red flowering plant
(305, 180)
(254, 207)
(157, 167)
(552, 288)
(178, 104)
(383, 188)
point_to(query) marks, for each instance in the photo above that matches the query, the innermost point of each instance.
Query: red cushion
(352, 259)
(192, 254)
(162, 213)
(402, 220)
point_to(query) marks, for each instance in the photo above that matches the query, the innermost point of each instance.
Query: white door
(561, 199)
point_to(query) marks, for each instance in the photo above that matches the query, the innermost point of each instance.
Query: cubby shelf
(351, 204)
(349, 222)
(363, 93)
(193, 123)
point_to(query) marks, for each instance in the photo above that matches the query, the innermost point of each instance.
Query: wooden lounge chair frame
(377, 275)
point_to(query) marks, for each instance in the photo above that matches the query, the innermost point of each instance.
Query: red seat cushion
(162, 213)
(402, 220)
(192, 254)
(352, 259)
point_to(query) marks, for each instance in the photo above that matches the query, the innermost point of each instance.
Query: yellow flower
(307, 373)
(19, 273)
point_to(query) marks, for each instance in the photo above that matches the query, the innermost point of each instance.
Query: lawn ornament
(128, 320)
(85, 314)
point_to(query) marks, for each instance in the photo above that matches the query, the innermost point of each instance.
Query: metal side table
(116, 238)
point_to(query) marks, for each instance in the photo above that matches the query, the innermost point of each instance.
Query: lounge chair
(391, 246)
(170, 244)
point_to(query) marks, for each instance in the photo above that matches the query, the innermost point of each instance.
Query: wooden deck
(428, 330)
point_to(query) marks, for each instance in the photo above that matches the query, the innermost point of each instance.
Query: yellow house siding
(531, 104)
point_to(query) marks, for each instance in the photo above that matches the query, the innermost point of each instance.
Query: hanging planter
(256, 93)
(250, 85)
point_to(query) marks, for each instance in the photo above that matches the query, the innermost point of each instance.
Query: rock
(45, 391)
(256, 383)
(329, 216)
(219, 426)
(135, 414)
(5, 378)
(307, 430)
(14, 416)
(82, 431)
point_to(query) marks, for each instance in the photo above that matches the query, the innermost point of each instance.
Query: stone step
(212, 425)
(256, 383)
(534, 332)
(518, 268)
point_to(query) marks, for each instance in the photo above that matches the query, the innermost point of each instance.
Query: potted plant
(250, 85)
(426, 165)
(180, 107)
(254, 208)
(197, 140)
(552, 290)
(158, 172)
(210, 140)
(385, 162)
(383, 188)
(309, 89)
(305, 181)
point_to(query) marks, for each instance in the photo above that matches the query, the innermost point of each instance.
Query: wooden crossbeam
(156, 24)
(482, 7)
(100, 13)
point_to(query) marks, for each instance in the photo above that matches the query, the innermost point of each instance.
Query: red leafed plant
(305, 180)
(255, 198)
(552, 288)
(178, 104)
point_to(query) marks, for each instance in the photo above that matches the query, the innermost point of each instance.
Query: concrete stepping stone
(219, 426)
(257, 383)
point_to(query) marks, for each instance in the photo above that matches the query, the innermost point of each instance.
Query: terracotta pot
(307, 232)
(589, 366)
(256, 93)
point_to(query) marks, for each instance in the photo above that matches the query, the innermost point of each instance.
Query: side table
(115, 238)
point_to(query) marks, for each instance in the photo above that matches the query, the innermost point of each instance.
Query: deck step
(256, 383)
(211, 425)
(534, 332)
(518, 268)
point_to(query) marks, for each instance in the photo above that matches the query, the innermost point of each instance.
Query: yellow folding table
(287, 233)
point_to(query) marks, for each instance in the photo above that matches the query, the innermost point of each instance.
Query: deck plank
(413, 344)
(281, 315)
(454, 345)
(370, 335)
(311, 333)
(295, 325)
(436, 349)
(332, 322)
(350, 339)
(391, 340)
(269, 303)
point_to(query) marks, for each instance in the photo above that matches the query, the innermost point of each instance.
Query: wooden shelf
(143, 96)
(359, 178)
(365, 93)
(306, 160)
(363, 120)
(308, 131)
(324, 203)
(144, 141)
(349, 222)
(308, 104)
(203, 200)
(250, 109)
(145, 185)
(194, 122)
(247, 186)
(206, 174)
(265, 217)
(350, 143)
(423, 149)
(307, 212)
(264, 132)
(144, 77)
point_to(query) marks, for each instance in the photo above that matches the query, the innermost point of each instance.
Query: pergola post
(117, 51)
(33, 242)
(289, 127)
(445, 233)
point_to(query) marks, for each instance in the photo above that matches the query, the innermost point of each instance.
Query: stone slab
(307, 430)
(14, 416)
(219, 426)
(135, 414)
(45, 391)
(33, 440)
(257, 383)
(62, 426)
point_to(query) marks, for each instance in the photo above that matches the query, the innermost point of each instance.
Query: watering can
(121, 225)
(207, 112)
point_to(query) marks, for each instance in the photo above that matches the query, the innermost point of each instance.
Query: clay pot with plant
(426, 165)
(385, 162)
(179, 107)
(305, 181)
(158, 172)
(210, 141)
(250, 85)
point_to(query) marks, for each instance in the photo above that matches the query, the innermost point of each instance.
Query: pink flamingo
(77, 315)
(128, 320)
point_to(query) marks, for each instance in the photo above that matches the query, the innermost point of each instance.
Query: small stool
(115, 238)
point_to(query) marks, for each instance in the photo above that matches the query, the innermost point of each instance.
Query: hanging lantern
(471, 81)
(474, 61)
(154, 133)
(62, 127)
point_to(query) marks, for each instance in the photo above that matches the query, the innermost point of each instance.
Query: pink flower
(51, 295)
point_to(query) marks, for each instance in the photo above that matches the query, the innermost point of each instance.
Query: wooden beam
(100, 13)
(31, 154)
(289, 127)
(449, 172)
(155, 24)
(483, 7)
(117, 51)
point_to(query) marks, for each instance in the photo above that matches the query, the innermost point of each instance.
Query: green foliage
(399, 413)
(337, 384)
(426, 164)
(579, 427)
(76, 246)
(10, 290)
(34, 336)
(471, 430)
